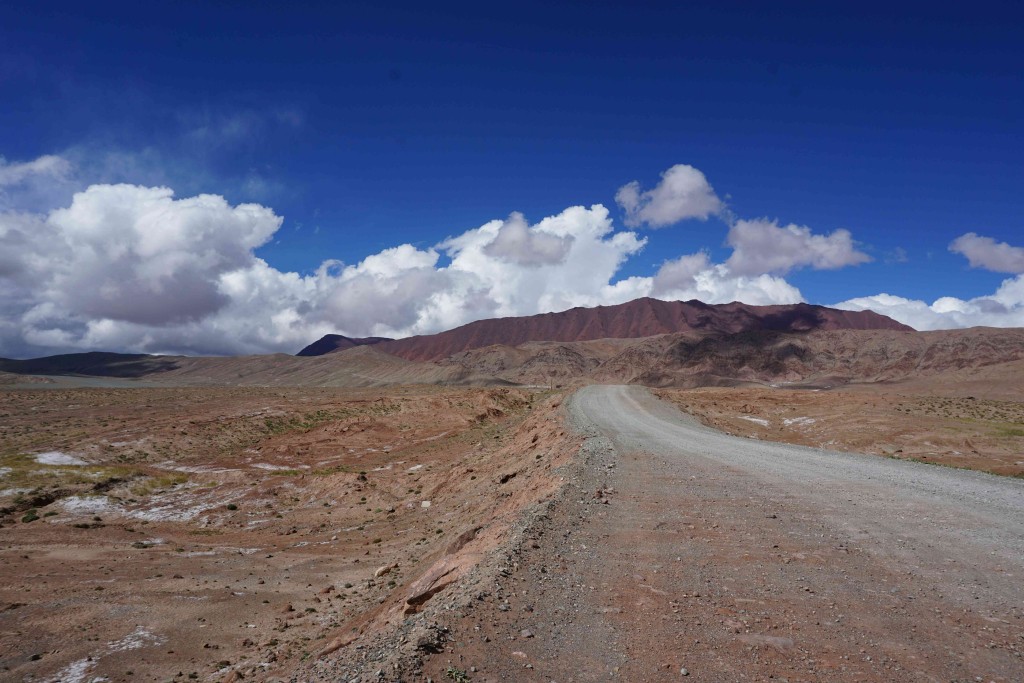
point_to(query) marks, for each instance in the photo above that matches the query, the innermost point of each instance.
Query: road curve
(871, 568)
(974, 512)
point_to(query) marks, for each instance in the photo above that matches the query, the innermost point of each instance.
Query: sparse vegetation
(456, 674)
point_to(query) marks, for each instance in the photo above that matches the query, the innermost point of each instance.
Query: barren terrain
(223, 533)
(158, 534)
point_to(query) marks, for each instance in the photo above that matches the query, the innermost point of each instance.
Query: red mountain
(640, 318)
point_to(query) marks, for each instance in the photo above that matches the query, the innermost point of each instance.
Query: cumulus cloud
(133, 268)
(679, 274)
(682, 193)
(694, 277)
(135, 254)
(763, 246)
(125, 267)
(1003, 308)
(985, 252)
(518, 243)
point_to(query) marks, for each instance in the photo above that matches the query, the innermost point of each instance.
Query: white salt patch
(434, 438)
(77, 672)
(4, 471)
(134, 641)
(13, 492)
(381, 469)
(415, 467)
(193, 469)
(89, 505)
(58, 458)
(799, 421)
(173, 506)
(759, 420)
(268, 466)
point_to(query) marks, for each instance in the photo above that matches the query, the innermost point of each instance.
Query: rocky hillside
(633, 320)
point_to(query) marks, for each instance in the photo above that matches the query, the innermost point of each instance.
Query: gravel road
(676, 552)
(906, 508)
(868, 568)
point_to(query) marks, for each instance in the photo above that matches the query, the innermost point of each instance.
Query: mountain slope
(635, 319)
(338, 342)
(819, 358)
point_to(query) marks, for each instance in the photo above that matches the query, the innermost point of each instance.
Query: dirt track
(736, 559)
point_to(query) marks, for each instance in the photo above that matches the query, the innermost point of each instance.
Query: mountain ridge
(644, 317)
(338, 342)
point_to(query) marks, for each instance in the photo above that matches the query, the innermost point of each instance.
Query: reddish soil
(217, 533)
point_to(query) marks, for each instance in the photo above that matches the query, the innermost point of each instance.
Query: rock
(328, 589)
(684, 672)
(436, 579)
(425, 504)
(777, 642)
(386, 569)
(287, 608)
(526, 633)
(461, 540)
(337, 644)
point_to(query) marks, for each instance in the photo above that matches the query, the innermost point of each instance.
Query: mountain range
(646, 341)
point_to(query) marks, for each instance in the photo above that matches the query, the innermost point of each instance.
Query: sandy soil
(929, 425)
(211, 534)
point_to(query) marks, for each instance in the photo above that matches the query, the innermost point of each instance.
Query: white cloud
(680, 274)
(693, 277)
(516, 242)
(985, 252)
(1003, 308)
(135, 254)
(762, 246)
(125, 267)
(682, 193)
(132, 268)
(47, 165)
(34, 185)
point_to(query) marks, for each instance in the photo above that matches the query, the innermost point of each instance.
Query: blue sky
(365, 127)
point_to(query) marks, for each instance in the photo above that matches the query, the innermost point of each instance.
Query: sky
(244, 177)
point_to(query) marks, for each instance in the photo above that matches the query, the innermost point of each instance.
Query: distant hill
(338, 342)
(636, 319)
(655, 343)
(92, 363)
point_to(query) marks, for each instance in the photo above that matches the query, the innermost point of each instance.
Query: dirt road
(683, 552)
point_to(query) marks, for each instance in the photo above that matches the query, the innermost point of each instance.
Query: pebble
(526, 633)
(684, 671)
